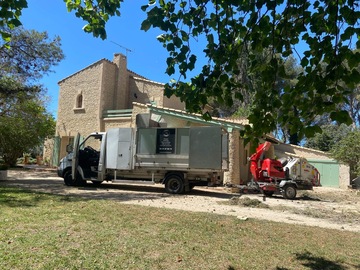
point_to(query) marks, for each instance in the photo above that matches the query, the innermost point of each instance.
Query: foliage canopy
(328, 29)
(331, 136)
(24, 122)
(348, 151)
(29, 55)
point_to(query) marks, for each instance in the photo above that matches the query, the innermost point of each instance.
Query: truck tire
(289, 192)
(71, 182)
(174, 184)
(96, 183)
(68, 181)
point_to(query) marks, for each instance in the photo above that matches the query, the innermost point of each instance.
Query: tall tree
(24, 124)
(29, 55)
(348, 151)
(353, 105)
(330, 136)
(353, 100)
(9, 89)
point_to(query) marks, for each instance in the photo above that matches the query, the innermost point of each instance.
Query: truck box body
(149, 153)
(165, 148)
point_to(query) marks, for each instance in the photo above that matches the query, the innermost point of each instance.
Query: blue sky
(147, 56)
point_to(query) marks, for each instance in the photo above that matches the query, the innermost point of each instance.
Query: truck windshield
(93, 141)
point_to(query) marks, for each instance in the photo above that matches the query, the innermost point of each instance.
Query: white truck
(179, 158)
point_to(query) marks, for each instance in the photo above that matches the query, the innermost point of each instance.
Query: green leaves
(268, 28)
(24, 122)
(32, 55)
(341, 117)
(347, 150)
(231, 30)
(95, 13)
(10, 12)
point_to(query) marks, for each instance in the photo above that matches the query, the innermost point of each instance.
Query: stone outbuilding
(333, 173)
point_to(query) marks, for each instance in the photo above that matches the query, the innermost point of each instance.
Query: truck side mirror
(69, 148)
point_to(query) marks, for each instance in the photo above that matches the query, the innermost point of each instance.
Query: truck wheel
(68, 179)
(289, 192)
(174, 184)
(70, 182)
(96, 183)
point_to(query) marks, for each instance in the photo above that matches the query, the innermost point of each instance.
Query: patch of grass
(335, 216)
(247, 202)
(43, 231)
(338, 195)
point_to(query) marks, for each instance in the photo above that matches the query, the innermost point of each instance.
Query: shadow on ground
(310, 261)
(48, 182)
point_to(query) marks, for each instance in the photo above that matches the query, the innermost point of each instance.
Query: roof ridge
(85, 68)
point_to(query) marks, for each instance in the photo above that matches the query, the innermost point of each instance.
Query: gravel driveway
(323, 207)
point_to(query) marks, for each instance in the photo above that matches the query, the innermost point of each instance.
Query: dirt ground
(323, 207)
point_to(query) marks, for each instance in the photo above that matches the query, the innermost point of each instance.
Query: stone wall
(87, 118)
(117, 123)
(87, 83)
(244, 154)
(107, 88)
(232, 176)
(48, 151)
(173, 102)
(138, 108)
(344, 173)
(145, 91)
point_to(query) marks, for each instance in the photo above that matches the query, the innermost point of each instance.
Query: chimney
(122, 82)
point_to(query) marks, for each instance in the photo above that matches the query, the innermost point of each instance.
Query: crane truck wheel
(289, 192)
(174, 184)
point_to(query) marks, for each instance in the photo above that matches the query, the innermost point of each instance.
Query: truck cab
(85, 156)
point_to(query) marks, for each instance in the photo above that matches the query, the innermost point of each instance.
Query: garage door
(329, 172)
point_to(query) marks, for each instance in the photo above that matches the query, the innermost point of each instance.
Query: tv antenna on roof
(126, 49)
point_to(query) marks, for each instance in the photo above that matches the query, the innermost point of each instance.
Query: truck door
(205, 148)
(102, 167)
(118, 149)
(75, 159)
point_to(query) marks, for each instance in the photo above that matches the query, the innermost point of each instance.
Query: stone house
(106, 94)
(101, 96)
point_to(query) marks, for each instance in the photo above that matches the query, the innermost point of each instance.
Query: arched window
(79, 101)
